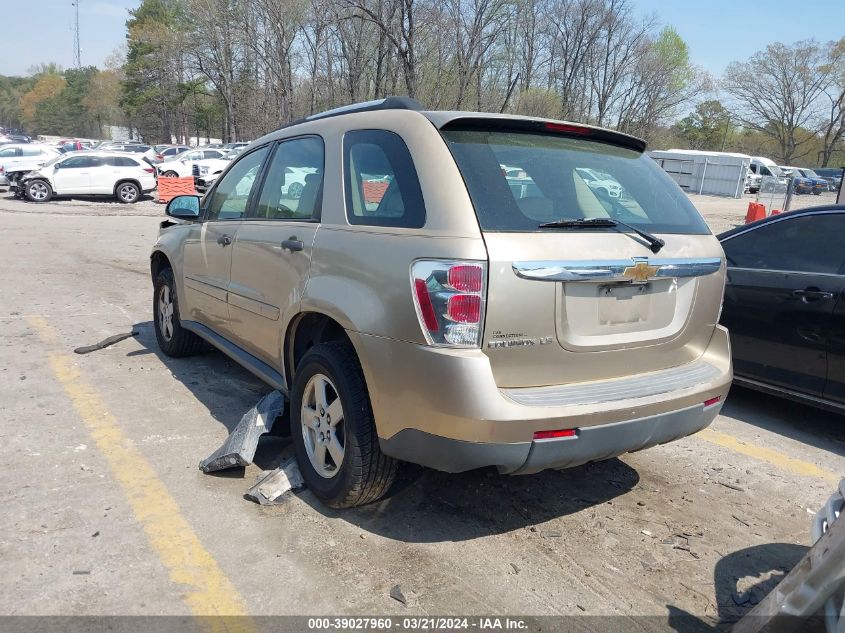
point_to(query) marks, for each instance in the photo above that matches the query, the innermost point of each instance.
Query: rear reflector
(424, 302)
(569, 129)
(550, 435)
(712, 401)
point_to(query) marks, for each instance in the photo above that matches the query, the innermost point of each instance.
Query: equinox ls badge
(520, 342)
(640, 272)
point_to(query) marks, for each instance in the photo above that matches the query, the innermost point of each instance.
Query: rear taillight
(149, 170)
(449, 297)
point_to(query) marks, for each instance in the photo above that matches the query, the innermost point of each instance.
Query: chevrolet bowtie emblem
(640, 272)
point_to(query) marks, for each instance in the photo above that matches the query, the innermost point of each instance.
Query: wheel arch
(306, 330)
(158, 262)
(125, 180)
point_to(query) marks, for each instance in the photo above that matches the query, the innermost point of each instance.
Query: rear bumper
(592, 443)
(442, 408)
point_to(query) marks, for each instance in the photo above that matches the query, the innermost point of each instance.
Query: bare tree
(776, 92)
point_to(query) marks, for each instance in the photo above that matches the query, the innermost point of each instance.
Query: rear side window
(519, 180)
(380, 182)
(121, 161)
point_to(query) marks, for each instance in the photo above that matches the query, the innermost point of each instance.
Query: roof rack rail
(388, 103)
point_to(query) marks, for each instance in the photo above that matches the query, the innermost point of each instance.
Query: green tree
(707, 128)
(152, 68)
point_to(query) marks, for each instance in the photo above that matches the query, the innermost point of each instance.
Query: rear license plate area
(620, 304)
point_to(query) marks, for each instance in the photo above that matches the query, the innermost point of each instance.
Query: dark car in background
(833, 175)
(784, 304)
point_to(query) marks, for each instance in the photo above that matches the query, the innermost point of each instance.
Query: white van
(773, 178)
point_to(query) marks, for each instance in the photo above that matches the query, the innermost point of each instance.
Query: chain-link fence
(789, 194)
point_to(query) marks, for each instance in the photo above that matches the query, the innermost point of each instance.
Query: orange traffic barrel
(756, 211)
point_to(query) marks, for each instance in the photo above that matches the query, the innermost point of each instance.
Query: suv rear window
(518, 180)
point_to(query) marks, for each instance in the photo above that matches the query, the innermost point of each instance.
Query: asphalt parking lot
(107, 513)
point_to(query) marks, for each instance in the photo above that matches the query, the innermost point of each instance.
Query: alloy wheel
(165, 313)
(323, 431)
(38, 191)
(127, 193)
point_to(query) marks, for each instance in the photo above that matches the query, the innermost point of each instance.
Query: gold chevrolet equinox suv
(453, 289)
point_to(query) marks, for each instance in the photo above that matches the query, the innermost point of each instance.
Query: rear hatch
(586, 299)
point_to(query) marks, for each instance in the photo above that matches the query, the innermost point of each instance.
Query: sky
(717, 31)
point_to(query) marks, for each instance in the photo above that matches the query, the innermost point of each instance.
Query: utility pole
(77, 49)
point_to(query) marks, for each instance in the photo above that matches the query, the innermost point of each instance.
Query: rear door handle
(812, 294)
(292, 244)
(224, 240)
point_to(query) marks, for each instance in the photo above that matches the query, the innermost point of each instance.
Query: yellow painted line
(775, 458)
(207, 590)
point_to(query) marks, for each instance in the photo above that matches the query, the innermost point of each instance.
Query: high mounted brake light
(449, 300)
(569, 129)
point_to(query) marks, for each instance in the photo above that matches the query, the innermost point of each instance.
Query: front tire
(333, 429)
(38, 191)
(173, 339)
(170, 174)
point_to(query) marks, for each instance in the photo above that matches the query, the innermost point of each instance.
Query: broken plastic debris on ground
(239, 450)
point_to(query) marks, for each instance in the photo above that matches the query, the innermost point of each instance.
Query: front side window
(380, 181)
(807, 243)
(518, 180)
(293, 187)
(231, 196)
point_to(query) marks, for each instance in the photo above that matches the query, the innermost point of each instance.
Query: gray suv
(446, 288)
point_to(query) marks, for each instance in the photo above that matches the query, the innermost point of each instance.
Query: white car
(181, 165)
(23, 157)
(208, 170)
(600, 182)
(91, 173)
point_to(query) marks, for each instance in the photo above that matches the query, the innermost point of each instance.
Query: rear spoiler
(539, 126)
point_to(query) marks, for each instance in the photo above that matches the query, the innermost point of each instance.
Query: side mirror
(184, 207)
(57, 166)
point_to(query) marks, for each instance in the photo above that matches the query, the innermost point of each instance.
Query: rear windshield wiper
(655, 243)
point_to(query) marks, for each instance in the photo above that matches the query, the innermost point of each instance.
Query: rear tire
(173, 339)
(170, 174)
(353, 471)
(38, 191)
(127, 192)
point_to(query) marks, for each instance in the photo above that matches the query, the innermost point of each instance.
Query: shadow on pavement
(809, 425)
(424, 505)
(220, 385)
(741, 580)
(427, 506)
